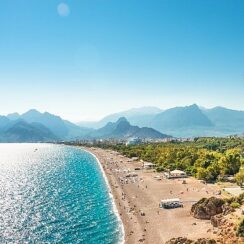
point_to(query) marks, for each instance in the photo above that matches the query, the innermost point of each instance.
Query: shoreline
(133, 231)
(137, 201)
(115, 210)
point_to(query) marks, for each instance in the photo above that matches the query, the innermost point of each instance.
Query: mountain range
(144, 122)
(187, 121)
(136, 116)
(34, 126)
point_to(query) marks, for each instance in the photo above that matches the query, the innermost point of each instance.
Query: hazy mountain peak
(220, 108)
(181, 117)
(122, 129)
(13, 116)
(194, 105)
(32, 111)
(62, 129)
(121, 119)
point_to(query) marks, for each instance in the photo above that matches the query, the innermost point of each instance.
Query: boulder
(207, 207)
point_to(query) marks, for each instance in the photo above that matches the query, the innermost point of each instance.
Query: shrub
(235, 205)
(240, 229)
(240, 197)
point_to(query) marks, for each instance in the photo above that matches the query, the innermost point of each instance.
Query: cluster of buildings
(137, 141)
(128, 141)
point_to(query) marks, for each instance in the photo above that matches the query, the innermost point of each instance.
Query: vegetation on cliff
(240, 229)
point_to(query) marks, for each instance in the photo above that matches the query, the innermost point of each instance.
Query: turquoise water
(54, 194)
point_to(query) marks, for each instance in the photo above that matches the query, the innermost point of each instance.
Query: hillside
(181, 117)
(226, 120)
(62, 129)
(21, 131)
(122, 129)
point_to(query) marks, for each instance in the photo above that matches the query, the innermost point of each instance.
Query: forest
(205, 158)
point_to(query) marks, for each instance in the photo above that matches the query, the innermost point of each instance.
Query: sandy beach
(137, 200)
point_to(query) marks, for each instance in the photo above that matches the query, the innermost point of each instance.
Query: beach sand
(138, 201)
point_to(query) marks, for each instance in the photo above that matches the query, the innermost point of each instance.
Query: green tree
(240, 177)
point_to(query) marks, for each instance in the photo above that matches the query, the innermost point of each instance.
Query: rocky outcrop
(227, 209)
(227, 228)
(184, 240)
(207, 207)
(219, 220)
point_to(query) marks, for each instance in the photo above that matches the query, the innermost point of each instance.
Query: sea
(55, 194)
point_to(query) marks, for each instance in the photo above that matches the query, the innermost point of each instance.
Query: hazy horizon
(83, 60)
(119, 111)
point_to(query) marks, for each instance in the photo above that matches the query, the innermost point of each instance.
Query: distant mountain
(21, 131)
(188, 121)
(181, 117)
(179, 120)
(43, 127)
(63, 129)
(145, 122)
(122, 129)
(3, 122)
(226, 120)
(137, 116)
(13, 116)
(52, 122)
(75, 131)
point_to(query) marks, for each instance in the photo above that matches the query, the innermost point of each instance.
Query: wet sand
(137, 200)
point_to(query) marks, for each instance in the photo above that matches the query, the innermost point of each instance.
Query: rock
(205, 241)
(184, 240)
(141, 240)
(227, 209)
(217, 220)
(179, 240)
(142, 213)
(207, 207)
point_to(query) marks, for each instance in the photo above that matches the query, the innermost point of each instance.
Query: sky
(84, 59)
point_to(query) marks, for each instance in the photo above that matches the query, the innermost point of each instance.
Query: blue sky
(83, 59)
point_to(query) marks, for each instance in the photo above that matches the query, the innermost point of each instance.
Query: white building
(176, 174)
(148, 165)
(133, 141)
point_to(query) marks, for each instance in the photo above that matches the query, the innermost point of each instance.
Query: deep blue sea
(54, 194)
